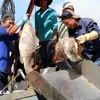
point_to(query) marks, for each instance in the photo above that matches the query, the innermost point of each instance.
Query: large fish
(28, 44)
(66, 49)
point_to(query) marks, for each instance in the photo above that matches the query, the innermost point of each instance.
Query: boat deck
(80, 84)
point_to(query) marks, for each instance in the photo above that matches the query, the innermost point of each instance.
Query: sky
(84, 8)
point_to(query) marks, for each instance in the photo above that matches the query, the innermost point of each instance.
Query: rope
(7, 6)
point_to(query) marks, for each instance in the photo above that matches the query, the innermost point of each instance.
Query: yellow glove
(89, 36)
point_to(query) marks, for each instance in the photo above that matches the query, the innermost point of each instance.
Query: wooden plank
(20, 95)
(40, 84)
(90, 71)
(72, 85)
(47, 70)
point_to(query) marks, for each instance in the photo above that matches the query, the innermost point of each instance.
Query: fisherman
(46, 29)
(86, 32)
(7, 33)
(63, 31)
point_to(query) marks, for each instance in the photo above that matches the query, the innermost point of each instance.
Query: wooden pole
(30, 8)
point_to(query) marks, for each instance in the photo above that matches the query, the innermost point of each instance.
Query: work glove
(86, 37)
(23, 20)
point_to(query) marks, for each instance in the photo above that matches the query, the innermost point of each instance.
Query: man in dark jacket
(86, 32)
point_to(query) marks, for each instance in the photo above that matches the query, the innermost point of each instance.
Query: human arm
(88, 36)
(55, 37)
(55, 29)
(14, 28)
(92, 31)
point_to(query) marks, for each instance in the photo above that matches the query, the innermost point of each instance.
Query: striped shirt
(63, 31)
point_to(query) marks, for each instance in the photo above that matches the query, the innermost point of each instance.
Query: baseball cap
(68, 14)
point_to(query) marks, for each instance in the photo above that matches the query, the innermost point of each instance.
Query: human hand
(83, 38)
(80, 49)
(29, 22)
(25, 18)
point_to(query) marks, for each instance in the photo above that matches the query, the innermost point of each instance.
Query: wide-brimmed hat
(68, 5)
(36, 2)
(68, 14)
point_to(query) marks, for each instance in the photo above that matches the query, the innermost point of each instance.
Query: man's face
(70, 23)
(43, 3)
(8, 23)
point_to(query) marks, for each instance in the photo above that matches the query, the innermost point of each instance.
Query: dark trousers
(46, 52)
(3, 80)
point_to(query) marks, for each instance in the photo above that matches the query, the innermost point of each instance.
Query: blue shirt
(45, 24)
(91, 48)
(4, 48)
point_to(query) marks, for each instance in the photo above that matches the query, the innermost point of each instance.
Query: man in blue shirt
(7, 34)
(46, 29)
(86, 32)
